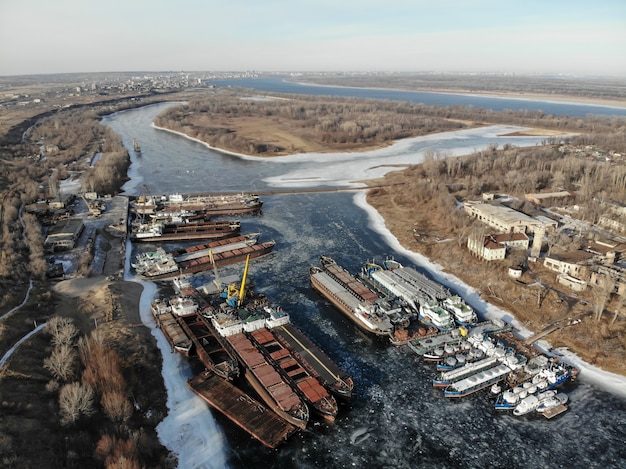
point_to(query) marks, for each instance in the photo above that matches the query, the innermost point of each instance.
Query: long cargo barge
(306, 385)
(446, 378)
(351, 297)
(477, 381)
(209, 204)
(249, 414)
(432, 289)
(210, 352)
(161, 232)
(311, 357)
(200, 250)
(200, 264)
(268, 383)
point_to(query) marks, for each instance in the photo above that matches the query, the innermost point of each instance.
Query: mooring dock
(248, 413)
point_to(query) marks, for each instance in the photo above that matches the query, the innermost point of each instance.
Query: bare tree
(61, 362)
(62, 329)
(620, 309)
(116, 406)
(75, 399)
(601, 296)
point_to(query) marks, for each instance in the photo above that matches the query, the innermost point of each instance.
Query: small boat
(553, 405)
(532, 402)
(463, 314)
(172, 330)
(433, 314)
(136, 147)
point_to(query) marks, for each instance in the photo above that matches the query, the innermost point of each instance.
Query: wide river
(407, 422)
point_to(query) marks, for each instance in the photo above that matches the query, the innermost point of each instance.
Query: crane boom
(243, 281)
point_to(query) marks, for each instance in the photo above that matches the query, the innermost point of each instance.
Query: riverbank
(518, 95)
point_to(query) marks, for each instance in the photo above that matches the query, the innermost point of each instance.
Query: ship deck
(350, 282)
(333, 377)
(200, 264)
(246, 412)
(172, 330)
(275, 386)
(291, 369)
(430, 287)
(209, 350)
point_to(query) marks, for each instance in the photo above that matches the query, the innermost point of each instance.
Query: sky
(570, 37)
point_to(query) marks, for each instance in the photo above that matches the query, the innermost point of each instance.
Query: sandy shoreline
(556, 98)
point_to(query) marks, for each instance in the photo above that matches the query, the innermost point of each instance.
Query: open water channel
(403, 422)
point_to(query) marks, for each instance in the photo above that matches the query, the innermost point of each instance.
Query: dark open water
(410, 423)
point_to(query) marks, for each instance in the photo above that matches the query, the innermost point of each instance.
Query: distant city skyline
(552, 37)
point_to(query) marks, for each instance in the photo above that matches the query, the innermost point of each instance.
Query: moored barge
(219, 204)
(200, 250)
(209, 350)
(207, 262)
(268, 383)
(351, 297)
(161, 232)
(306, 385)
(172, 330)
(315, 360)
(249, 414)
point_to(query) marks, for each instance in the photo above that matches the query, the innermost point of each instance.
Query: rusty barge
(209, 350)
(243, 410)
(315, 361)
(200, 250)
(166, 321)
(207, 262)
(208, 204)
(303, 382)
(268, 383)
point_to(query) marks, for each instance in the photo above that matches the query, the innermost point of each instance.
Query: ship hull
(341, 305)
(242, 409)
(190, 231)
(174, 333)
(225, 258)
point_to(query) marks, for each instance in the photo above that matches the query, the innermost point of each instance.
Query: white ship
(462, 312)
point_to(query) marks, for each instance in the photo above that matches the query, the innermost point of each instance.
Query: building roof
(508, 237)
(505, 214)
(573, 257)
(70, 226)
(491, 243)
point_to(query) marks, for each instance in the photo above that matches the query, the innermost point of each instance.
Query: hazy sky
(554, 36)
